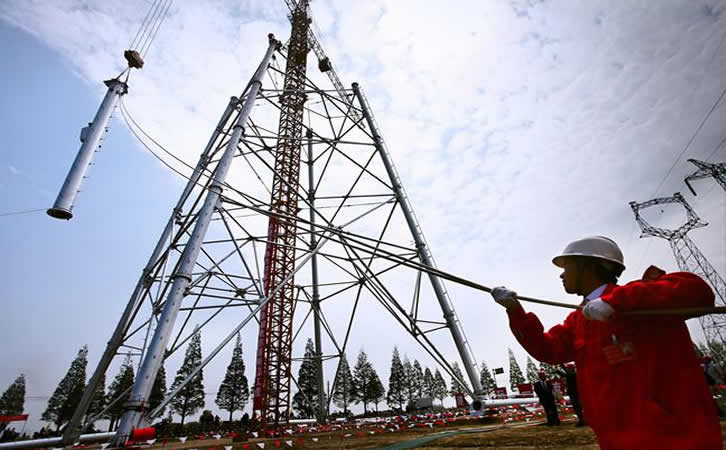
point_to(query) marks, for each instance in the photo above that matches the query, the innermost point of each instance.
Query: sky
(516, 127)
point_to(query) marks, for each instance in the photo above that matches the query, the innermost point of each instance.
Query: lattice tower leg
(690, 258)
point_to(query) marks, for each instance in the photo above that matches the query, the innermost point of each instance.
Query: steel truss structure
(689, 258)
(350, 226)
(705, 170)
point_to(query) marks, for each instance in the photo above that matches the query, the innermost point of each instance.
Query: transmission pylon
(351, 220)
(689, 258)
(705, 170)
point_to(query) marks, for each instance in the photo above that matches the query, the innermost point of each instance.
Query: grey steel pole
(90, 139)
(316, 293)
(452, 321)
(74, 428)
(155, 354)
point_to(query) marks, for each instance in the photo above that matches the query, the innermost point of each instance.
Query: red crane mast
(274, 343)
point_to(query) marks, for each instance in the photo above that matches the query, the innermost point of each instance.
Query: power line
(27, 211)
(690, 141)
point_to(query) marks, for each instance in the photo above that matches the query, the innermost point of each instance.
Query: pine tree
(234, 391)
(344, 393)
(99, 399)
(377, 391)
(532, 369)
(549, 370)
(486, 379)
(13, 399)
(417, 377)
(440, 389)
(158, 390)
(396, 382)
(306, 398)
(515, 373)
(119, 392)
(458, 387)
(58, 404)
(363, 375)
(410, 390)
(428, 383)
(190, 398)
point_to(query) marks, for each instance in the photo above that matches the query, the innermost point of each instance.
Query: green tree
(158, 390)
(13, 399)
(515, 373)
(306, 398)
(428, 383)
(363, 375)
(377, 391)
(458, 382)
(190, 398)
(234, 391)
(73, 381)
(487, 381)
(410, 384)
(99, 399)
(532, 369)
(417, 377)
(396, 382)
(440, 389)
(344, 393)
(549, 370)
(119, 392)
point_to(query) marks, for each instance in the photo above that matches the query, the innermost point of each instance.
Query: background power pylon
(350, 225)
(705, 170)
(689, 258)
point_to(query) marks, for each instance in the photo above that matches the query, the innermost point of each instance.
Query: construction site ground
(529, 435)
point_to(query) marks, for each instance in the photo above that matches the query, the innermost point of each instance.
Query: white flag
(217, 436)
(183, 439)
(288, 443)
(255, 434)
(261, 444)
(315, 439)
(103, 446)
(227, 447)
(151, 441)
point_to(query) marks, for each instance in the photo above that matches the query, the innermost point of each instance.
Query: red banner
(525, 390)
(500, 392)
(14, 418)
(460, 400)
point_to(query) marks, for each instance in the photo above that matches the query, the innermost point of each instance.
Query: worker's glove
(505, 297)
(598, 310)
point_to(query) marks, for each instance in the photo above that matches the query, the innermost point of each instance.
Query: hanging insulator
(324, 64)
(134, 59)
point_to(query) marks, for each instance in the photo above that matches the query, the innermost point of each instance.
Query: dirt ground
(522, 436)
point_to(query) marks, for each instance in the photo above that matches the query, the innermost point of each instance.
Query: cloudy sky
(516, 126)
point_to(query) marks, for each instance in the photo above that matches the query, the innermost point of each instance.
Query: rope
(377, 251)
(27, 211)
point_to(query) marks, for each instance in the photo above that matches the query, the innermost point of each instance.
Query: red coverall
(639, 380)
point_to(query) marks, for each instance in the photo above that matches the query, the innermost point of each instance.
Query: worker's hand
(598, 310)
(505, 297)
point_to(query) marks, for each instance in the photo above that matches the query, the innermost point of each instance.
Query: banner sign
(525, 390)
(500, 392)
(460, 401)
(499, 370)
(14, 418)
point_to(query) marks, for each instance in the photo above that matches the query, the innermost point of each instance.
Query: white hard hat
(598, 247)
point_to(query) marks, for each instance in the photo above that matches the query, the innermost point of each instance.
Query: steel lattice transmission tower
(689, 258)
(705, 170)
(234, 247)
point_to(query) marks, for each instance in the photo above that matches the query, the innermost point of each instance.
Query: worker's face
(569, 276)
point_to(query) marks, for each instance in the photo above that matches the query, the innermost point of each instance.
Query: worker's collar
(596, 293)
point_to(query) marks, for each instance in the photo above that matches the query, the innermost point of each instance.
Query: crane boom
(325, 65)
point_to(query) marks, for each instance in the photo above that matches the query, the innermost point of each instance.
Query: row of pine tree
(407, 381)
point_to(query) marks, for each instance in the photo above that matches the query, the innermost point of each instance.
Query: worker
(571, 378)
(640, 382)
(543, 389)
